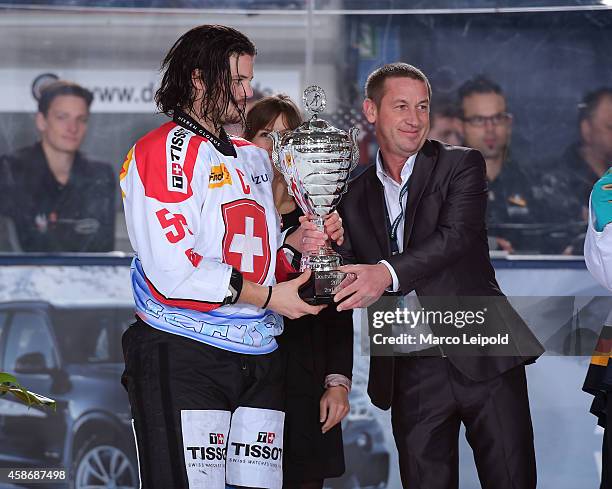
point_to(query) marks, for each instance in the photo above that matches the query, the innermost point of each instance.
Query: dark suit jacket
(445, 252)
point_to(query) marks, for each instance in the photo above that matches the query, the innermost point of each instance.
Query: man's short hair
(375, 83)
(479, 84)
(58, 88)
(591, 101)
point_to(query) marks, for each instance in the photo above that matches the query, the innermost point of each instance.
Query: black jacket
(445, 252)
(79, 216)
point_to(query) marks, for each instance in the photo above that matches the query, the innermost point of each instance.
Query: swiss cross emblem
(245, 243)
(176, 169)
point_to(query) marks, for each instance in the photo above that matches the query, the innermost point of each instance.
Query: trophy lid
(315, 130)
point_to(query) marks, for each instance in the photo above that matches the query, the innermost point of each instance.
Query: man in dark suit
(416, 222)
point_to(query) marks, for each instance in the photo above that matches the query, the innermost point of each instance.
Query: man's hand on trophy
(286, 301)
(370, 284)
(334, 228)
(308, 238)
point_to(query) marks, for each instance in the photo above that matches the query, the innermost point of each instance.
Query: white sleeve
(395, 284)
(598, 252)
(163, 220)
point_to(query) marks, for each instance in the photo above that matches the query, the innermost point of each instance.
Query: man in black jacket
(416, 222)
(59, 200)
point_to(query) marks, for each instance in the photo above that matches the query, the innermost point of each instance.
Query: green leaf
(7, 378)
(9, 384)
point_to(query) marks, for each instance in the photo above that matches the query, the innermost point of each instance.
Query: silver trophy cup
(316, 160)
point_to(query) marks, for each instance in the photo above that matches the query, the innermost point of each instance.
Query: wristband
(338, 380)
(269, 297)
(235, 287)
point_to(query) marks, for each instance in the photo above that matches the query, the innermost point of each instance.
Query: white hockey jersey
(195, 207)
(598, 253)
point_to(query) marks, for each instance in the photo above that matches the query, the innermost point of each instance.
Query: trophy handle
(353, 132)
(276, 138)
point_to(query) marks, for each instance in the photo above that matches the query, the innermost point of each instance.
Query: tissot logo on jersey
(206, 453)
(265, 437)
(219, 176)
(216, 438)
(253, 450)
(176, 150)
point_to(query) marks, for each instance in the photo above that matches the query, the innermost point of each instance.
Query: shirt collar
(404, 174)
(223, 143)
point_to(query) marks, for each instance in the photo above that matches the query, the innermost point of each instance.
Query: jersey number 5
(177, 222)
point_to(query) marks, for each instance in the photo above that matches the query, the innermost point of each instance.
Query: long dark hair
(206, 48)
(265, 111)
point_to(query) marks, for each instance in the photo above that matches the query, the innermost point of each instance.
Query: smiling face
(65, 124)
(401, 119)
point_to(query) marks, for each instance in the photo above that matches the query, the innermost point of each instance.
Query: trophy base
(321, 286)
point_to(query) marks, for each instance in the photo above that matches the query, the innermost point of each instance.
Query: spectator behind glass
(575, 171)
(446, 123)
(487, 127)
(318, 352)
(58, 200)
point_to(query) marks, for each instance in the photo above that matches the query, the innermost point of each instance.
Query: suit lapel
(423, 169)
(376, 212)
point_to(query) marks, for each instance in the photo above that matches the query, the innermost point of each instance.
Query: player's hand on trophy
(370, 283)
(286, 301)
(308, 238)
(333, 407)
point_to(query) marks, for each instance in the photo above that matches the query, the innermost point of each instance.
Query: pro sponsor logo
(219, 176)
(176, 150)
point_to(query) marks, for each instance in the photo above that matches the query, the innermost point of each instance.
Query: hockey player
(203, 374)
(598, 258)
